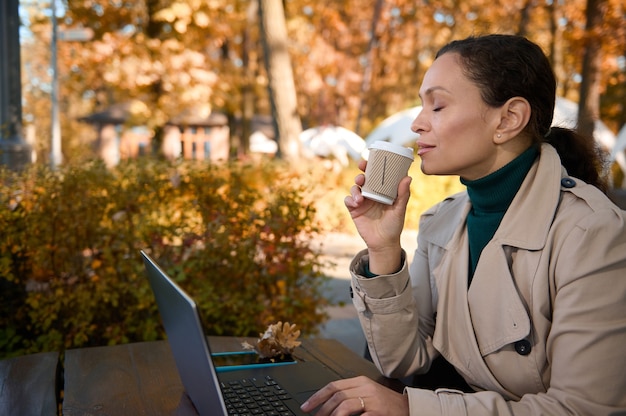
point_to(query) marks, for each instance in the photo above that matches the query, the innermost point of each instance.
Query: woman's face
(456, 127)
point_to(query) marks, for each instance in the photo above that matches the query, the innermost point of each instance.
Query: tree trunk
(589, 107)
(367, 75)
(525, 17)
(282, 87)
(556, 46)
(15, 153)
(247, 90)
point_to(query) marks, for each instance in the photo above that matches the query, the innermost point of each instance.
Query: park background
(105, 82)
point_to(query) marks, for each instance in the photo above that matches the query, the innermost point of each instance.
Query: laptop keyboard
(252, 396)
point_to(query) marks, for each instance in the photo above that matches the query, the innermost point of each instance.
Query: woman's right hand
(357, 396)
(378, 224)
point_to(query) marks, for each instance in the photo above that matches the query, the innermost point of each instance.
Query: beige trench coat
(542, 328)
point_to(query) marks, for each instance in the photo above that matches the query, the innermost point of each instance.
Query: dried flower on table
(278, 341)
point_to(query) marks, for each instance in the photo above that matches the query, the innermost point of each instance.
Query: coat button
(523, 347)
(568, 183)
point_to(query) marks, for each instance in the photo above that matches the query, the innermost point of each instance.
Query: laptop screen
(187, 340)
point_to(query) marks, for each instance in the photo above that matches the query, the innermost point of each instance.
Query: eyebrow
(430, 90)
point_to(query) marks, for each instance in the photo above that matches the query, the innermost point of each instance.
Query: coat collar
(524, 225)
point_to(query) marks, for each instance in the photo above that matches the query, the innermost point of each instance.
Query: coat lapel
(497, 312)
(454, 334)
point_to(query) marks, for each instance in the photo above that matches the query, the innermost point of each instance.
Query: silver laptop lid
(187, 340)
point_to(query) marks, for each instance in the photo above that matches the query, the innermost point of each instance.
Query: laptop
(215, 393)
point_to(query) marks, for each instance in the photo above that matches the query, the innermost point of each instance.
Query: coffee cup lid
(392, 147)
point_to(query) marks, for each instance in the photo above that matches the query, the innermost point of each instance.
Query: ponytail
(580, 155)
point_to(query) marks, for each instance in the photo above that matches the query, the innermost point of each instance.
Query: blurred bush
(237, 237)
(333, 186)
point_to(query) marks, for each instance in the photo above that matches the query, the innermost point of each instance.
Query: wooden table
(141, 378)
(30, 384)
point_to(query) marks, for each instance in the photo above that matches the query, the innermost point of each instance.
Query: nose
(418, 125)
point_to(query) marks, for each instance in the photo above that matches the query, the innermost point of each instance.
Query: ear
(514, 116)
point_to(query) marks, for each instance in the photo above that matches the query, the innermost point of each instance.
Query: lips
(423, 148)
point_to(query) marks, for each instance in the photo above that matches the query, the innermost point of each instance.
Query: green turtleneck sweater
(490, 197)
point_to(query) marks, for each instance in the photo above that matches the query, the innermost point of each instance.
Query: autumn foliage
(352, 66)
(237, 238)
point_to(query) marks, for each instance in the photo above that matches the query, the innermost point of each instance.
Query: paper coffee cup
(387, 164)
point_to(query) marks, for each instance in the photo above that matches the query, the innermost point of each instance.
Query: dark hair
(506, 66)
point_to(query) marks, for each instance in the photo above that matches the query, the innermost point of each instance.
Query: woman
(520, 282)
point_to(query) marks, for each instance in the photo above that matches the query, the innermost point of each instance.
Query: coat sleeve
(397, 312)
(396, 316)
(586, 343)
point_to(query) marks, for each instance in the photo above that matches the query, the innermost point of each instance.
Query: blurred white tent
(396, 128)
(333, 142)
(260, 143)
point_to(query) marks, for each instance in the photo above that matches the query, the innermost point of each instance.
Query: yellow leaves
(176, 11)
(33, 301)
(181, 10)
(172, 46)
(153, 44)
(180, 26)
(139, 108)
(165, 15)
(281, 286)
(201, 19)
(181, 15)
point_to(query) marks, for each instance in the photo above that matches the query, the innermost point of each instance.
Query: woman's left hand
(354, 396)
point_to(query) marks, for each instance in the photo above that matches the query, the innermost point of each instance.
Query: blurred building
(195, 134)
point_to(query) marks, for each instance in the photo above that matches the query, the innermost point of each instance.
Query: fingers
(355, 198)
(344, 397)
(359, 179)
(404, 189)
(333, 392)
(319, 398)
(341, 403)
(359, 395)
